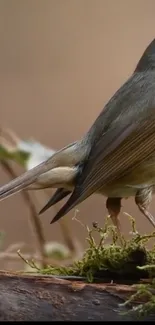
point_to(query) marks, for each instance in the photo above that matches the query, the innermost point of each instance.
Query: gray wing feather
(128, 139)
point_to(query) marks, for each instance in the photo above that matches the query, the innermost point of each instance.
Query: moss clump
(128, 261)
(113, 261)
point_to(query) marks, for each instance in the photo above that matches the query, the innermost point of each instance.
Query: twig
(13, 247)
(34, 221)
(12, 137)
(49, 261)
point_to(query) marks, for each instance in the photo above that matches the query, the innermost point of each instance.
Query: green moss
(113, 261)
(128, 261)
(16, 155)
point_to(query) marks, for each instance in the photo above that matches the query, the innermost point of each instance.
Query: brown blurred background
(60, 62)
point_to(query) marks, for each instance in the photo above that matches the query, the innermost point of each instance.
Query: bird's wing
(129, 139)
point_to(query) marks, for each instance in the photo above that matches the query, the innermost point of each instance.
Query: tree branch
(45, 298)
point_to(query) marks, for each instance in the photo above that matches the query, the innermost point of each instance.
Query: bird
(146, 194)
(115, 157)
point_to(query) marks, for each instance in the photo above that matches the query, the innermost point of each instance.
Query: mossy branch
(129, 263)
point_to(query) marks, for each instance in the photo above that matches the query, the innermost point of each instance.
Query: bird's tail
(67, 156)
(59, 195)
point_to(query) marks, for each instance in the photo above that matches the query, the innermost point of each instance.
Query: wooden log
(45, 298)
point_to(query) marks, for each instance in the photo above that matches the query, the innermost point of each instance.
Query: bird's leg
(143, 198)
(113, 205)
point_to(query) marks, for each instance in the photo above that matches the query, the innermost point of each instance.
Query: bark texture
(45, 298)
